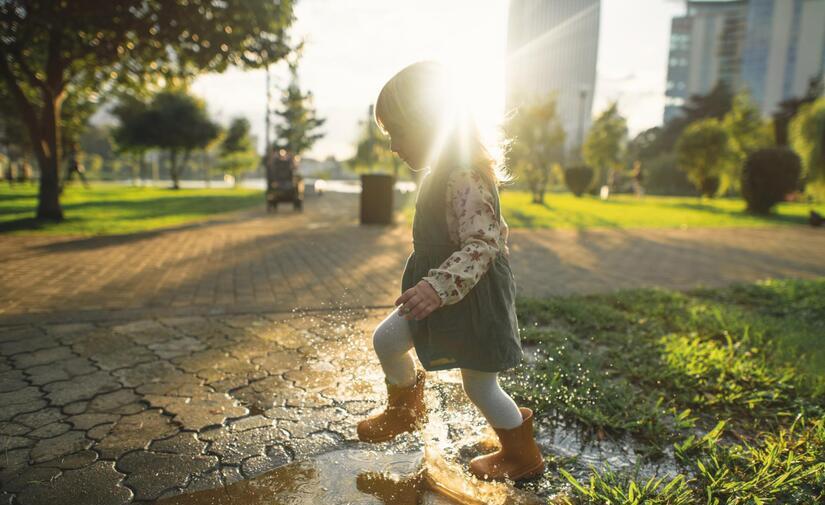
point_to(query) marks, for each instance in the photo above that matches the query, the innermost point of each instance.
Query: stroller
(283, 183)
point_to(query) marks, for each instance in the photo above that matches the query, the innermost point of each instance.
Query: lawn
(563, 210)
(625, 211)
(109, 209)
(720, 391)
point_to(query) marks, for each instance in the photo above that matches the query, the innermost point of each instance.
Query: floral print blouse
(471, 222)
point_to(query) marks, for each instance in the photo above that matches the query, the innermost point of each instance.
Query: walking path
(143, 366)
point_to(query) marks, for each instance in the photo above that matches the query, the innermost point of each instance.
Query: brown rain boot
(519, 457)
(404, 413)
(405, 491)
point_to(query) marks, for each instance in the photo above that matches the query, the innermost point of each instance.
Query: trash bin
(376, 198)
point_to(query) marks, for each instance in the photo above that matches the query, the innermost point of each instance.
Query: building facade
(784, 49)
(552, 47)
(771, 48)
(705, 48)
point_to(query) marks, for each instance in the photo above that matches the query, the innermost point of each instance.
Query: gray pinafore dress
(480, 332)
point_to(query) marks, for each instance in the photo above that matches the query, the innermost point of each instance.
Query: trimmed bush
(768, 176)
(578, 179)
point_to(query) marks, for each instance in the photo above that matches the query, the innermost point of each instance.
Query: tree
(237, 154)
(807, 132)
(703, 150)
(133, 133)
(715, 104)
(298, 129)
(747, 133)
(54, 52)
(536, 143)
(373, 148)
(178, 122)
(788, 109)
(605, 144)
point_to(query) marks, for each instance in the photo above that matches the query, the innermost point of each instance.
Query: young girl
(457, 303)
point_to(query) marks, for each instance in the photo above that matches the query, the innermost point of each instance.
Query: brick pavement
(323, 259)
(144, 366)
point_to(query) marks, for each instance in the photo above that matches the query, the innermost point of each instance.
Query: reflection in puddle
(361, 477)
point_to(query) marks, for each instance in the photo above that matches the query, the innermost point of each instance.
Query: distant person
(8, 173)
(459, 312)
(636, 177)
(74, 167)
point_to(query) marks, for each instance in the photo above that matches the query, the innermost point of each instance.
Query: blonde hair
(421, 96)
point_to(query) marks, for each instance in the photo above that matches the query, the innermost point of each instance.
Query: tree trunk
(47, 149)
(173, 168)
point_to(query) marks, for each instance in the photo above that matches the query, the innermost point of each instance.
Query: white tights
(392, 342)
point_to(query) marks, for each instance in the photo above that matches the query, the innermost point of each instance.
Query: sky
(352, 47)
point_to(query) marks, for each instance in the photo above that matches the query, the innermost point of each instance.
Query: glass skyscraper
(552, 47)
(771, 48)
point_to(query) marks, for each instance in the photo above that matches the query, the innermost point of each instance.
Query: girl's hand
(419, 301)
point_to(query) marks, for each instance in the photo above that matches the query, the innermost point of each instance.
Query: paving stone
(37, 342)
(310, 399)
(159, 377)
(209, 359)
(275, 457)
(80, 388)
(64, 330)
(67, 443)
(13, 429)
(264, 394)
(283, 335)
(42, 357)
(10, 411)
(97, 484)
(9, 443)
(201, 411)
(211, 479)
(90, 420)
(313, 444)
(73, 461)
(151, 473)
(135, 432)
(100, 431)
(25, 395)
(12, 380)
(61, 370)
(75, 408)
(185, 442)
(125, 357)
(12, 461)
(178, 347)
(121, 401)
(40, 417)
(231, 475)
(27, 477)
(50, 430)
(248, 423)
(278, 362)
(234, 447)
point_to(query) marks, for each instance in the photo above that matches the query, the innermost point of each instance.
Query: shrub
(578, 179)
(663, 177)
(769, 175)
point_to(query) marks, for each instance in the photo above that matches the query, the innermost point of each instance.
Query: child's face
(410, 145)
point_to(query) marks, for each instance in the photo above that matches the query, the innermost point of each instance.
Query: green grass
(731, 381)
(108, 209)
(563, 210)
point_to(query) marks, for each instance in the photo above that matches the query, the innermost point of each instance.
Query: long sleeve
(478, 231)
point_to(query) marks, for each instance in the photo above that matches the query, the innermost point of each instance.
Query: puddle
(362, 477)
